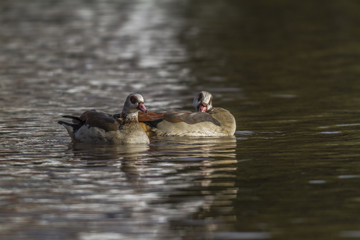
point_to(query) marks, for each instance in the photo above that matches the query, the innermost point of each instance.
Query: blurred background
(288, 71)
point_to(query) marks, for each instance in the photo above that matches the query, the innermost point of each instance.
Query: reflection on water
(288, 71)
(127, 192)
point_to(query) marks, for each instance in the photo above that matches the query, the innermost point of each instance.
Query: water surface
(287, 71)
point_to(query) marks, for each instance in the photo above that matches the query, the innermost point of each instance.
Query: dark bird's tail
(75, 120)
(71, 127)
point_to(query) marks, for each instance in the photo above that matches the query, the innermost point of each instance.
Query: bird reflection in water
(128, 158)
(173, 178)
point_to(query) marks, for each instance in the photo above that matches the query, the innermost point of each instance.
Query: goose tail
(70, 128)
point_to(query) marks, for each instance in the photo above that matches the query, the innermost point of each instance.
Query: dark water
(288, 71)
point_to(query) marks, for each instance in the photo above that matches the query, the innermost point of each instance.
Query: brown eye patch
(133, 99)
(201, 96)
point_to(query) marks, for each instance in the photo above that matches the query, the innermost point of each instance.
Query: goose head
(203, 101)
(133, 103)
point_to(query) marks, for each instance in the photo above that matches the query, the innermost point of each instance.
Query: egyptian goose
(93, 126)
(207, 121)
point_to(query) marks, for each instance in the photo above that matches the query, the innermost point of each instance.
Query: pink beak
(141, 107)
(202, 108)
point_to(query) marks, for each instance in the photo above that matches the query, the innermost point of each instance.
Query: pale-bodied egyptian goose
(124, 128)
(207, 121)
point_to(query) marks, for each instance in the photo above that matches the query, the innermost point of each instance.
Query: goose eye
(133, 99)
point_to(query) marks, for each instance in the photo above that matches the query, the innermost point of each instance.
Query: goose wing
(100, 120)
(190, 118)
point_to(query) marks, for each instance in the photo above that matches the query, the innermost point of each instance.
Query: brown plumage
(208, 121)
(93, 126)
